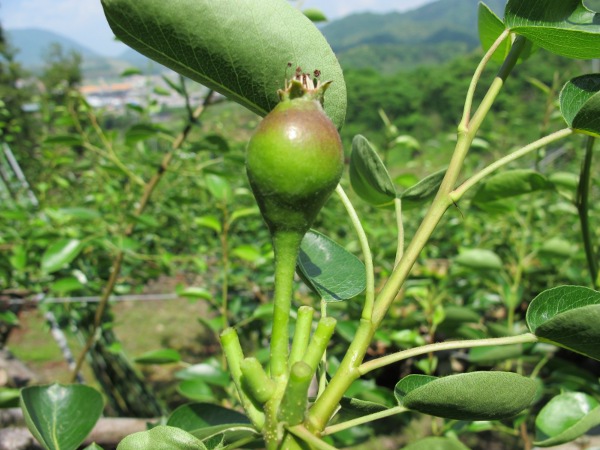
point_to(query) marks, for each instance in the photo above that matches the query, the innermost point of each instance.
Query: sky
(83, 20)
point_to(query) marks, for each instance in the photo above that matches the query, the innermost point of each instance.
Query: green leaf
(368, 176)
(209, 222)
(141, 132)
(162, 438)
(70, 140)
(564, 27)
(490, 27)
(328, 269)
(9, 397)
(423, 191)
(93, 446)
(467, 396)
(508, 184)
(59, 416)
(315, 15)
(162, 356)
(206, 420)
(219, 187)
(567, 316)
(565, 418)
(195, 39)
(131, 71)
(196, 390)
(60, 253)
(558, 247)
(436, 443)
(196, 293)
(580, 104)
(66, 285)
(479, 259)
(18, 259)
(205, 372)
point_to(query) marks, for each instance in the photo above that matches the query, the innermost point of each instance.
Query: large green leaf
(330, 270)
(565, 418)
(60, 253)
(436, 443)
(467, 396)
(60, 417)
(240, 49)
(206, 420)
(162, 438)
(564, 27)
(567, 316)
(368, 176)
(580, 103)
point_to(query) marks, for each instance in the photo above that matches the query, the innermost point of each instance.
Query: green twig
(366, 251)
(304, 434)
(582, 204)
(440, 346)
(468, 184)
(477, 76)
(400, 227)
(363, 419)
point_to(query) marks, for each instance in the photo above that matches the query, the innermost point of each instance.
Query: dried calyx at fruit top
(304, 85)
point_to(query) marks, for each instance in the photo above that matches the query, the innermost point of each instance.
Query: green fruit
(295, 158)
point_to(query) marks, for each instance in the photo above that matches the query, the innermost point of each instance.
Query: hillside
(431, 34)
(33, 44)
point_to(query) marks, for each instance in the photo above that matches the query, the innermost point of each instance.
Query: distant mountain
(433, 33)
(34, 43)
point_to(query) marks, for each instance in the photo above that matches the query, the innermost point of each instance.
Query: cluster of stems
(277, 402)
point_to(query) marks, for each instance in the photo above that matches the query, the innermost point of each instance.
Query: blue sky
(84, 21)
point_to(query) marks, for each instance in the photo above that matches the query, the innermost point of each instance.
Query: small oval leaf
(60, 253)
(469, 396)
(567, 316)
(580, 104)
(161, 437)
(162, 356)
(49, 412)
(479, 259)
(368, 176)
(194, 38)
(565, 418)
(330, 270)
(423, 191)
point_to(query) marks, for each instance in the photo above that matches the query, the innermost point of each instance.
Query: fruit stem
(301, 334)
(286, 245)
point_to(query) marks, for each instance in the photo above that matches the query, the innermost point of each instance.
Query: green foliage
(49, 414)
(330, 271)
(467, 396)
